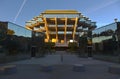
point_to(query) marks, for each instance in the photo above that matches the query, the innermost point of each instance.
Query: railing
(61, 45)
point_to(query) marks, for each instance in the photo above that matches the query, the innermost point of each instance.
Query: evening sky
(19, 11)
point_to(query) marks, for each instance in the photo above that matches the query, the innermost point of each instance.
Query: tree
(73, 46)
(49, 45)
(10, 32)
(12, 45)
(83, 44)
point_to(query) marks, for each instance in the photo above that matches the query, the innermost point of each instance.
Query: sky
(103, 12)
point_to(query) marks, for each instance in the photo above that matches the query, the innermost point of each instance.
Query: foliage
(10, 32)
(83, 42)
(73, 46)
(108, 32)
(11, 45)
(49, 45)
(109, 46)
(2, 34)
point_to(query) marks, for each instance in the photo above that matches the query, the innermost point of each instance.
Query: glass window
(61, 15)
(19, 30)
(104, 33)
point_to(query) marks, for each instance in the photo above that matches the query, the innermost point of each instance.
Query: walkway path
(31, 69)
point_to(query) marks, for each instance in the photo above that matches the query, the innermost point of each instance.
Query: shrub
(49, 45)
(73, 46)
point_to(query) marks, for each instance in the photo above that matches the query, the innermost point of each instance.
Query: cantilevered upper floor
(61, 26)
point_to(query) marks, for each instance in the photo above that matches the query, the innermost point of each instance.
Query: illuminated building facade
(61, 26)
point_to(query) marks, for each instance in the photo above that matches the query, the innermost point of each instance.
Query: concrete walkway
(31, 69)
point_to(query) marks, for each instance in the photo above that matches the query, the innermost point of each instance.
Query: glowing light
(71, 41)
(53, 40)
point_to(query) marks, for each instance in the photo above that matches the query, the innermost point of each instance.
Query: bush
(49, 45)
(12, 46)
(73, 46)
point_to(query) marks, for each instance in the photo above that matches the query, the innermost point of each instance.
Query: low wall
(6, 59)
(114, 59)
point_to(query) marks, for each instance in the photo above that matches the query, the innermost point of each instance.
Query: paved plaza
(31, 69)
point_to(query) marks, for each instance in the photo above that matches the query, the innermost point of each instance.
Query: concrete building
(61, 26)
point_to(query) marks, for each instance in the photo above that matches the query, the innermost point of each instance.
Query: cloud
(19, 11)
(101, 6)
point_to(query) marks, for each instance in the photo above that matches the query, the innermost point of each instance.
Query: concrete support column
(65, 39)
(65, 30)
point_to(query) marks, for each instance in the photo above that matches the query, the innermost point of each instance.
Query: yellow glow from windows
(62, 41)
(46, 40)
(54, 40)
(71, 41)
